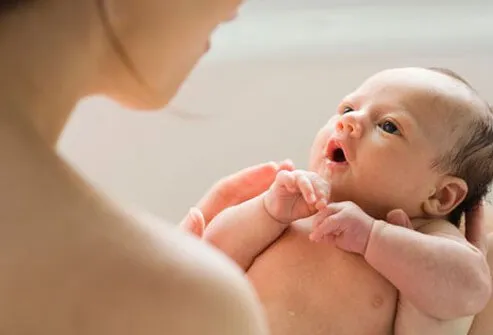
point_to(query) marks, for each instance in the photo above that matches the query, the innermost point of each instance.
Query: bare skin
(348, 289)
(361, 284)
(295, 270)
(298, 296)
(483, 322)
(345, 295)
(102, 272)
(72, 262)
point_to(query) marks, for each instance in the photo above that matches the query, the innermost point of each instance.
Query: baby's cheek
(316, 158)
(317, 151)
(391, 188)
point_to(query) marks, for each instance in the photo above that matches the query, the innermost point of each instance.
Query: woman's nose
(349, 125)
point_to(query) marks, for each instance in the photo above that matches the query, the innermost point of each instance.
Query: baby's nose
(350, 126)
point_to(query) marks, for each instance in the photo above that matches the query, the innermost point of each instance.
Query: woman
(483, 322)
(71, 262)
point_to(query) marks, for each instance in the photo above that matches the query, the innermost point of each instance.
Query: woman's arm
(483, 322)
(239, 187)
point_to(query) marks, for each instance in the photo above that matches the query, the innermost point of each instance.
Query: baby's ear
(449, 193)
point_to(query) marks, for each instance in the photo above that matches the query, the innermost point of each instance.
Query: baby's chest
(305, 284)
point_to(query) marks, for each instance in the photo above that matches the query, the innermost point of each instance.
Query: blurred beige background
(272, 79)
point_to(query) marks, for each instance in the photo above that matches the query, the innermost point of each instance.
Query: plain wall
(255, 100)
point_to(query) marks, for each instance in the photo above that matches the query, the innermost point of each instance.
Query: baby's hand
(296, 195)
(346, 223)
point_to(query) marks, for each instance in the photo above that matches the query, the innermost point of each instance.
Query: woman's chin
(143, 103)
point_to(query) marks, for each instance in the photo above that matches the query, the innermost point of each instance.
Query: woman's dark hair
(6, 5)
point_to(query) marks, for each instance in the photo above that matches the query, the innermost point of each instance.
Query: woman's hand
(475, 228)
(230, 191)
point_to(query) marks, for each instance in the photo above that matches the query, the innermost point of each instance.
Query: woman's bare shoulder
(103, 272)
(173, 282)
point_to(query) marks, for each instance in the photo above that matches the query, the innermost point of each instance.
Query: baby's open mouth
(335, 152)
(338, 156)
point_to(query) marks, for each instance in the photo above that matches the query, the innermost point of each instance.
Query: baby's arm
(245, 230)
(435, 269)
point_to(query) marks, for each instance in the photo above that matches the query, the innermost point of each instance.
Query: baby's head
(411, 138)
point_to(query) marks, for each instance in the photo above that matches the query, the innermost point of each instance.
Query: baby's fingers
(287, 165)
(325, 211)
(322, 193)
(321, 188)
(287, 180)
(306, 188)
(320, 216)
(327, 227)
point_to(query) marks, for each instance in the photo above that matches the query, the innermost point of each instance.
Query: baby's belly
(314, 288)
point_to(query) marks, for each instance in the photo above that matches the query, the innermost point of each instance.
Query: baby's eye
(347, 110)
(390, 127)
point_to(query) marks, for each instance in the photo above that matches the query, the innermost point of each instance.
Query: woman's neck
(45, 67)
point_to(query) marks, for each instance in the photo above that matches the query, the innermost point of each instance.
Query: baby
(390, 176)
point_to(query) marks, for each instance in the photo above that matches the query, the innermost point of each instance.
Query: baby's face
(379, 148)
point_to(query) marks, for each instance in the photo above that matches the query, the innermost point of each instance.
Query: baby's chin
(318, 166)
(341, 191)
(343, 187)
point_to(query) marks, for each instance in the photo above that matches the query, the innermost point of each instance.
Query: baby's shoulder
(438, 227)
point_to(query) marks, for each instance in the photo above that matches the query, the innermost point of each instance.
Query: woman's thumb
(399, 218)
(194, 222)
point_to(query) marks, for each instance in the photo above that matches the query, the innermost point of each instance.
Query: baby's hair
(471, 159)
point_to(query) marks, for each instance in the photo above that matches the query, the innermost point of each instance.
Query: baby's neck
(421, 222)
